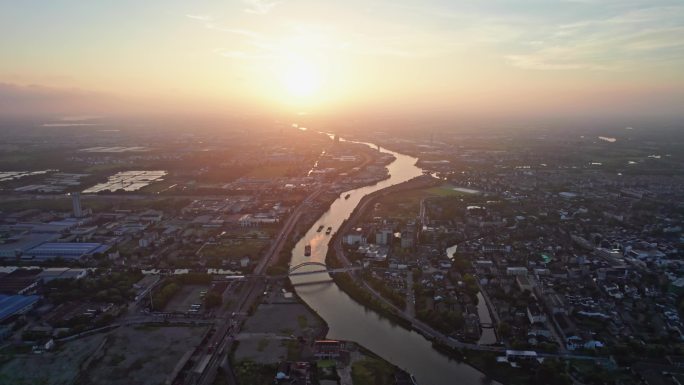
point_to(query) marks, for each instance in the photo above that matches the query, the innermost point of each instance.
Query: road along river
(348, 320)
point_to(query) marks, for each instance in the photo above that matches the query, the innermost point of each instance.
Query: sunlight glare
(301, 79)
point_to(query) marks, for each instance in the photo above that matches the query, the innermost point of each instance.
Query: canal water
(348, 320)
(488, 336)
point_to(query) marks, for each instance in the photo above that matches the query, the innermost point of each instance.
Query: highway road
(284, 233)
(225, 333)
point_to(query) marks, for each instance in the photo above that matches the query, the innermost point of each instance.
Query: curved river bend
(348, 320)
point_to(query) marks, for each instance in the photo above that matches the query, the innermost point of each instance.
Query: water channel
(348, 320)
(488, 336)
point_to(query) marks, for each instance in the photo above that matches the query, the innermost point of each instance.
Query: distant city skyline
(440, 60)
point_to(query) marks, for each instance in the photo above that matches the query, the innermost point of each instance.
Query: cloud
(16, 100)
(70, 124)
(622, 41)
(199, 17)
(236, 31)
(78, 118)
(595, 35)
(547, 60)
(241, 55)
(260, 7)
(210, 22)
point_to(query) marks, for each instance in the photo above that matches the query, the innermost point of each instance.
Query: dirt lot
(53, 368)
(186, 296)
(270, 335)
(141, 355)
(261, 349)
(284, 319)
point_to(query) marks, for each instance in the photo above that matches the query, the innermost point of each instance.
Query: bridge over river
(294, 271)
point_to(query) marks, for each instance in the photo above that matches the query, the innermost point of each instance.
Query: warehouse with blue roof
(11, 305)
(66, 250)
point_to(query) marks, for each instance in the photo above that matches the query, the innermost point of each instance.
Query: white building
(384, 236)
(518, 270)
(535, 315)
(408, 239)
(355, 238)
(249, 220)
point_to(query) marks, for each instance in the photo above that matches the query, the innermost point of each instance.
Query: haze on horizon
(442, 60)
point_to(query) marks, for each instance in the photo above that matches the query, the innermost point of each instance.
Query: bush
(251, 373)
(371, 371)
(162, 297)
(105, 288)
(194, 278)
(212, 300)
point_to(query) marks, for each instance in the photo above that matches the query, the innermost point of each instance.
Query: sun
(301, 80)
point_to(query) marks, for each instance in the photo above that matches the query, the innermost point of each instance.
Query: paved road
(260, 336)
(284, 233)
(226, 331)
(410, 296)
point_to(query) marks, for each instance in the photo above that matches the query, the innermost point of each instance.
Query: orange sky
(513, 58)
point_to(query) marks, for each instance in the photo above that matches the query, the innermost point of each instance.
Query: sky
(446, 60)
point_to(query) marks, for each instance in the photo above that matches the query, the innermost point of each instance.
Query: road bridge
(293, 272)
(324, 269)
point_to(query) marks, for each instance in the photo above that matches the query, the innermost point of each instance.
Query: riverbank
(335, 255)
(349, 286)
(486, 363)
(351, 321)
(325, 328)
(371, 369)
(414, 183)
(482, 361)
(322, 204)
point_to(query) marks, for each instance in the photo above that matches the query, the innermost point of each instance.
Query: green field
(235, 248)
(406, 204)
(444, 191)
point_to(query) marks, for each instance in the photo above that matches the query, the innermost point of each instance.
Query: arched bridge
(293, 271)
(304, 264)
(324, 269)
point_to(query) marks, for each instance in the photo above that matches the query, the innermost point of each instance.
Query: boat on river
(320, 228)
(415, 354)
(347, 196)
(307, 250)
(329, 230)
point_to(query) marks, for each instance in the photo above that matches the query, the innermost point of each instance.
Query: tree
(504, 330)
(552, 372)
(212, 300)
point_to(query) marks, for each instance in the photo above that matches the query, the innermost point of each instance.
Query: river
(348, 320)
